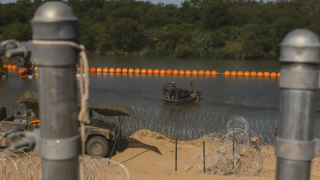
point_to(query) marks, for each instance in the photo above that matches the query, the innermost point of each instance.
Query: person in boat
(183, 92)
(29, 67)
(195, 93)
(192, 85)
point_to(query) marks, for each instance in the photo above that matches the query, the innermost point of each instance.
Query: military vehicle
(172, 94)
(98, 136)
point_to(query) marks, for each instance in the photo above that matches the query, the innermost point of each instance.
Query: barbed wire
(189, 123)
(218, 130)
(27, 166)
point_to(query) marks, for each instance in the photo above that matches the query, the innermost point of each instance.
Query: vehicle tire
(97, 146)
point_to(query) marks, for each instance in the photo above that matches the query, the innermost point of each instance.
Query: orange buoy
(266, 74)
(124, 70)
(99, 70)
(21, 70)
(14, 67)
(240, 73)
(9, 66)
(278, 74)
(131, 71)
(162, 71)
(143, 71)
(137, 71)
(253, 74)
(150, 71)
(111, 70)
(93, 70)
(227, 73)
(246, 73)
(118, 70)
(105, 70)
(207, 72)
(201, 72)
(233, 73)
(260, 74)
(181, 72)
(36, 69)
(214, 73)
(194, 72)
(188, 72)
(156, 71)
(175, 72)
(273, 74)
(169, 71)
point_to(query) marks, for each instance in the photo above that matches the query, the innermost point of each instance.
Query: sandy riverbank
(148, 155)
(146, 164)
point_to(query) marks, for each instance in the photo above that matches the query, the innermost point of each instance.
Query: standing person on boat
(191, 85)
(29, 67)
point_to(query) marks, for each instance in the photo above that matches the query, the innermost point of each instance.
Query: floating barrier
(167, 72)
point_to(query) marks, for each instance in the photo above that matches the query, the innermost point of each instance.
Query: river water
(244, 96)
(227, 92)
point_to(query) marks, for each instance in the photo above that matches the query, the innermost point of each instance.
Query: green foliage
(215, 29)
(127, 35)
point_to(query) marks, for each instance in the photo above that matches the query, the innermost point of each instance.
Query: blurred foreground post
(55, 21)
(295, 145)
(54, 49)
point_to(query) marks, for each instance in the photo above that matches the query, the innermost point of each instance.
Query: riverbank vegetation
(215, 29)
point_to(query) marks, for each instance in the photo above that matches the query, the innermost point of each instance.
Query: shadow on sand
(126, 142)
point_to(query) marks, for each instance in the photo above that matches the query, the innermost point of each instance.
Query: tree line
(212, 29)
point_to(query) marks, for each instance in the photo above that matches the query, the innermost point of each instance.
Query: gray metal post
(299, 83)
(55, 21)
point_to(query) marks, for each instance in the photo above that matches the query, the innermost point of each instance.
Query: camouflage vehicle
(99, 134)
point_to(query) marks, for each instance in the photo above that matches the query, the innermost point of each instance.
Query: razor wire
(229, 147)
(188, 123)
(27, 166)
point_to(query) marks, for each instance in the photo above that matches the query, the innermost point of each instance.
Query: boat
(27, 71)
(172, 94)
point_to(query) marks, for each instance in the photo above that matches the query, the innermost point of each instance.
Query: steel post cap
(301, 38)
(55, 20)
(300, 46)
(54, 11)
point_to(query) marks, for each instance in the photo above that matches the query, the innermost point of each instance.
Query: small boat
(172, 94)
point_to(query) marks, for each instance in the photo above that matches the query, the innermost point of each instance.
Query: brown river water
(256, 97)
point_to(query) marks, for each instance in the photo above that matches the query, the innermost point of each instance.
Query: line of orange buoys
(252, 73)
(182, 72)
(168, 71)
(11, 67)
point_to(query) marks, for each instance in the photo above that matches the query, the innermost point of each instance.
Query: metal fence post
(299, 55)
(55, 21)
